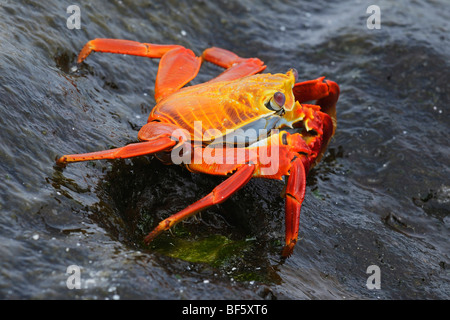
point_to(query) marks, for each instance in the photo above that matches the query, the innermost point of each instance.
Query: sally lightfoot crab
(241, 124)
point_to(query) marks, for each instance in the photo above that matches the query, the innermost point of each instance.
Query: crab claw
(296, 142)
(324, 92)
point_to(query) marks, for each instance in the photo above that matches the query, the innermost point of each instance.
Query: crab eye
(279, 98)
(277, 102)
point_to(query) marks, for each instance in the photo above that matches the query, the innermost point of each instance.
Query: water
(380, 196)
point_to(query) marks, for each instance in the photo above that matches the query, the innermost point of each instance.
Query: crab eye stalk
(295, 72)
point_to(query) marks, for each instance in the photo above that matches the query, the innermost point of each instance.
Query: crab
(241, 124)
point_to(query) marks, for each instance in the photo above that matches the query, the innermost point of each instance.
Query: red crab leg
(177, 67)
(155, 137)
(219, 194)
(131, 150)
(325, 92)
(295, 193)
(125, 47)
(236, 66)
(310, 90)
(328, 102)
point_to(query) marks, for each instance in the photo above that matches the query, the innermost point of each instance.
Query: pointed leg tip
(149, 238)
(152, 235)
(288, 249)
(61, 161)
(83, 55)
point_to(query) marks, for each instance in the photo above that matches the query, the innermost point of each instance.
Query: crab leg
(177, 67)
(325, 92)
(155, 137)
(128, 151)
(295, 193)
(236, 66)
(219, 194)
(129, 47)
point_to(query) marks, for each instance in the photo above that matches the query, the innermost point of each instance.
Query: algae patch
(214, 250)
